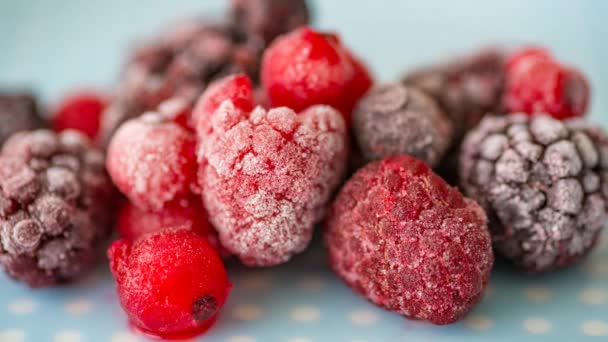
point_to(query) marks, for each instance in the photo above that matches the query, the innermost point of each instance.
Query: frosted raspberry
(543, 185)
(268, 18)
(152, 161)
(267, 175)
(396, 119)
(536, 83)
(400, 236)
(18, 112)
(55, 206)
(306, 67)
(171, 284)
(80, 111)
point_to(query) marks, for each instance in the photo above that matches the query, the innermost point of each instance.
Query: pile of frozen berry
(230, 139)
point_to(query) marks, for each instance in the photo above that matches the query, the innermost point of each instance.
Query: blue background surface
(54, 46)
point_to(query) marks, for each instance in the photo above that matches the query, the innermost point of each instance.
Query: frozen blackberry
(54, 205)
(543, 183)
(466, 88)
(18, 112)
(268, 18)
(180, 63)
(396, 119)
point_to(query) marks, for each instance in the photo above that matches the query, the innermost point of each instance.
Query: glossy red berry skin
(537, 83)
(80, 111)
(134, 222)
(171, 284)
(151, 160)
(307, 67)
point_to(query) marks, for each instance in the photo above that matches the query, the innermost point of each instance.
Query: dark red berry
(400, 236)
(80, 111)
(151, 160)
(18, 112)
(307, 67)
(171, 284)
(537, 83)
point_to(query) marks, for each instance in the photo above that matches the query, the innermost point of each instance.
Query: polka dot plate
(53, 46)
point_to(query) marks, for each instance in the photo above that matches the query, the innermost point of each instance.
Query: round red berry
(536, 83)
(307, 67)
(80, 111)
(403, 238)
(152, 161)
(171, 284)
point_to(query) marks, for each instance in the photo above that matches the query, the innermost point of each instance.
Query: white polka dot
(247, 312)
(363, 317)
(124, 336)
(299, 339)
(312, 284)
(596, 267)
(537, 325)
(241, 338)
(538, 294)
(12, 335)
(595, 328)
(256, 282)
(21, 307)
(68, 336)
(478, 322)
(78, 307)
(593, 296)
(305, 314)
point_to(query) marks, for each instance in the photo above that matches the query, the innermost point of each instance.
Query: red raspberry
(237, 88)
(536, 83)
(267, 176)
(81, 111)
(171, 284)
(307, 67)
(152, 161)
(403, 238)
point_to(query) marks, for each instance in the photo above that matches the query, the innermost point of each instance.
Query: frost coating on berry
(542, 188)
(18, 112)
(171, 283)
(400, 236)
(267, 175)
(152, 161)
(55, 204)
(395, 119)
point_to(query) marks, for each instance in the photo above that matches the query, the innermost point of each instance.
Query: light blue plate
(56, 45)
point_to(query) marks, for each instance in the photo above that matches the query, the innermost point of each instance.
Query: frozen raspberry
(307, 67)
(466, 87)
(152, 161)
(543, 185)
(18, 112)
(55, 205)
(180, 63)
(536, 83)
(396, 119)
(400, 236)
(268, 18)
(80, 111)
(267, 175)
(236, 88)
(171, 283)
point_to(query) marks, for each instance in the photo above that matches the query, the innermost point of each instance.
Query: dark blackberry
(55, 203)
(268, 18)
(18, 112)
(543, 183)
(396, 119)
